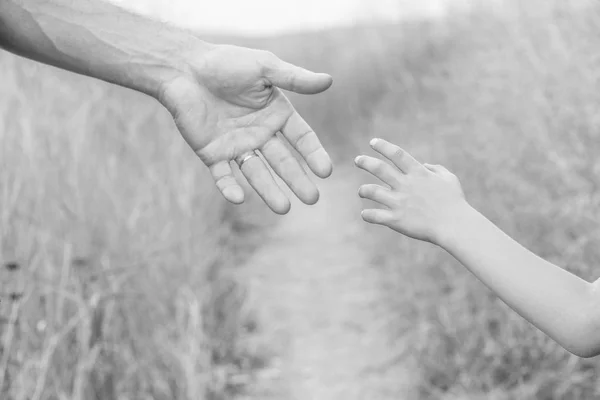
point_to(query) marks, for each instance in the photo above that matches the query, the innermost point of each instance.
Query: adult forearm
(557, 302)
(97, 39)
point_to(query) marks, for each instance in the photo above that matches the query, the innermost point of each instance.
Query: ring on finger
(245, 157)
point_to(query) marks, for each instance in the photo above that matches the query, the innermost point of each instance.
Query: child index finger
(401, 159)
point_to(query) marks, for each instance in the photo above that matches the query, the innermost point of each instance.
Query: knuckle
(267, 60)
(399, 215)
(399, 154)
(206, 156)
(303, 137)
(445, 171)
(268, 55)
(378, 167)
(291, 79)
(223, 182)
(168, 91)
(396, 218)
(269, 146)
(419, 171)
(165, 94)
(283, 161)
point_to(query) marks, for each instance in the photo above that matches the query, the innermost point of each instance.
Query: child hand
(424, 201)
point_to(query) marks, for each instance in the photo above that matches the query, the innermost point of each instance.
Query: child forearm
(557, 302)
(426, 202)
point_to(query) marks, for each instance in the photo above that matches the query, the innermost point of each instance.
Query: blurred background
(272, 17)
(125, 275)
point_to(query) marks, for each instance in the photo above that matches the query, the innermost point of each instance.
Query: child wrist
(458, 219)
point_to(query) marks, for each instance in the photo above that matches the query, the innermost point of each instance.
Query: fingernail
(373, 141)
(357, 159)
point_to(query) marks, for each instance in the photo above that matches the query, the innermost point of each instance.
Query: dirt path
(319, 305)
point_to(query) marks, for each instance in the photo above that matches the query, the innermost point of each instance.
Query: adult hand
(226, 100)
(229, 105)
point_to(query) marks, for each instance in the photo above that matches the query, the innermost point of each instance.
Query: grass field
(119, 255)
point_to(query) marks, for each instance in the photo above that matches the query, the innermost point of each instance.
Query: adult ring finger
(245, 157)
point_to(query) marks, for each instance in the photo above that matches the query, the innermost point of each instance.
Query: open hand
(230, 108)
(423, 200)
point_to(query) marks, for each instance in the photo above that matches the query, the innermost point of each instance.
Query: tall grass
(113, 243)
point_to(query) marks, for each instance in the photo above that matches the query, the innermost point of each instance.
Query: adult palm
(230, 105)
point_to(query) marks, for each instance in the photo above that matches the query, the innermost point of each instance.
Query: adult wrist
(99, 39)
(178, 56)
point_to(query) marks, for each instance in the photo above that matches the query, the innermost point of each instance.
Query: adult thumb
(296, 79)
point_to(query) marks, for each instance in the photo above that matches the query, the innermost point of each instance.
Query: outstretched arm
(426, 202)
(97, 39)
(226, 100)
(562, 305)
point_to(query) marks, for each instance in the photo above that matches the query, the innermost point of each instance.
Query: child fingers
(376, 216)
(379, 169)
(401, 159)
(377, 193)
